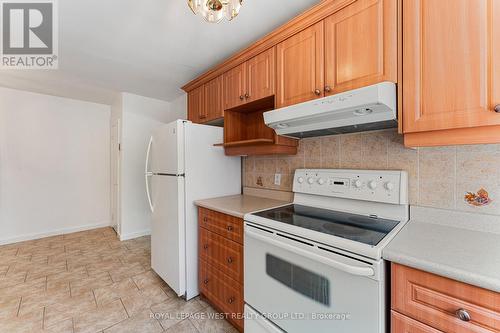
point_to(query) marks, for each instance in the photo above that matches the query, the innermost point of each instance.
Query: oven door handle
(354, 270)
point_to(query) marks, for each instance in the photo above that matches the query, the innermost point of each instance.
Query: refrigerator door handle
(148, 174)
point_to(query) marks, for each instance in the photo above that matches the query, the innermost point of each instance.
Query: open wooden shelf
(251, 142)
(245, 132)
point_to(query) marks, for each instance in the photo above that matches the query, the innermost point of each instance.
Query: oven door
(301, 286)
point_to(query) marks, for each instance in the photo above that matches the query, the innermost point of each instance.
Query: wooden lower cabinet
(221, 263)
(403, 324)
(223, 292)
(428, 301)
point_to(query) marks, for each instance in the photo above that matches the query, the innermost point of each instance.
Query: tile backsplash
(439, 177)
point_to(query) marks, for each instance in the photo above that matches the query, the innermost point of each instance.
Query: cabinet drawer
(438, 302)
(225, 225)
(223, 254)
(403, 324)
(222, 291)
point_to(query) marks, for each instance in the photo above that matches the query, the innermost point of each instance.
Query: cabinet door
(361, 45)
(213, 99)
(451, 64)
(196, 105)
(402, 324)
(234, 86)
(300, 70)
(261, 71)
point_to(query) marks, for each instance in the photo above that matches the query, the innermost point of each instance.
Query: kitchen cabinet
(235, 86)
(361, 45)
(196, 105)
(451, 72)
(213, 99)
(403, 324)
(424, 302)
(300, 71)
(352, 48)
(221, 263)
(205, 102)
(250, 81)
(261, 76)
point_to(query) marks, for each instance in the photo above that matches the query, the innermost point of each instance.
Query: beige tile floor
(91, 282)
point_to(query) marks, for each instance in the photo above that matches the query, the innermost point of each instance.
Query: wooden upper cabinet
(261, 76)
(451, 67)
(196, 105)
(214, 108)
(300, 67)
(361, 45)
(235, 86)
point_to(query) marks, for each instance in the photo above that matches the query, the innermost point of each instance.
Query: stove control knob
(300, 180)
(321, 181)
(389, 186)
(310, 180)
(372, 184)
(358, 183)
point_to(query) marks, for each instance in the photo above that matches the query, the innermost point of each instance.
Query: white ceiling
(145, 47)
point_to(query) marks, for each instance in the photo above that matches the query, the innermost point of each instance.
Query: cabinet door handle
(229, 228)
(463, 315)
(229, 260)
(205, 219)
(317, 92)
(242, 97)
(231, 300)
(328, 89)
(497, 108)
(205, 281)
(205, 246)
(247, 95)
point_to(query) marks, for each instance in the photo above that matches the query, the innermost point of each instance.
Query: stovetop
(358, 228)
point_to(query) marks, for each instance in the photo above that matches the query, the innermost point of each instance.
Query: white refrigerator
(183, 165)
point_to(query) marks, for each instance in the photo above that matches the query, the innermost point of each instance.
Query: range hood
(364, 109)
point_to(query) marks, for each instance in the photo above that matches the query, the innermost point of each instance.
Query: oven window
(305, 282)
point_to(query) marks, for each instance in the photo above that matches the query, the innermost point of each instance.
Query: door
(213, 99)
(167, 149)
(196, 105)
(361, 45)
(115, 175)
(234, 86)
(168, 256)
(285, 276)
(261, 75)
(300, 70)
(451, 60)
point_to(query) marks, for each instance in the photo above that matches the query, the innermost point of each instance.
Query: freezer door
(168, 257)
(167, 149)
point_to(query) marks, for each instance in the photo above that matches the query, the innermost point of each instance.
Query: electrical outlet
(277, 179)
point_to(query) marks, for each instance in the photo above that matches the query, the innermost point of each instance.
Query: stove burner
(359, 228)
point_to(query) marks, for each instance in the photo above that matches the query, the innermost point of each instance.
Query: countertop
(467, 254)
(239, 205)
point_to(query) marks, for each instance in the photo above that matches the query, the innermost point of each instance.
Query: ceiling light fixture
(214, 11)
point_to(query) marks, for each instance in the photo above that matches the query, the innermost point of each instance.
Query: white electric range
(316, 265)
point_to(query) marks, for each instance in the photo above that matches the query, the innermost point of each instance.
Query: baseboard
(53, 233)
(132, 235)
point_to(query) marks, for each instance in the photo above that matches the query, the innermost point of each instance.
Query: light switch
(277, 179)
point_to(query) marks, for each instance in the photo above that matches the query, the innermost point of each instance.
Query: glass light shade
(214, 11)
(233, 8)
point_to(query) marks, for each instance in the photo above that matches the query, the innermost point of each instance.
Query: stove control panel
(370, 185)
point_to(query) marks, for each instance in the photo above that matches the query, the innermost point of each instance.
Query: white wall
(54, 165)
(140, 116)
(179, 107)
